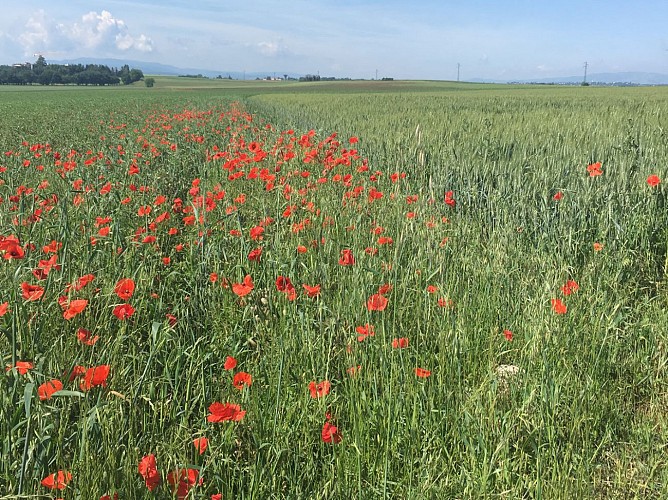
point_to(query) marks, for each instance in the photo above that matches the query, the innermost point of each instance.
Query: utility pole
(458, 66)
(585, 77)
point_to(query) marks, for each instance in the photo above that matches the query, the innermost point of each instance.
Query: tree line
(41, 73)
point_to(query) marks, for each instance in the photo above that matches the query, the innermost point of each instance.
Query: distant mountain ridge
(151, 68)
(639, 78)
(628, 77)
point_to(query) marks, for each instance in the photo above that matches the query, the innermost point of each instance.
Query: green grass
(584, 417)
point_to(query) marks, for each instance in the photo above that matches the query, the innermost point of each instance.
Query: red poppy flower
(598, 247)
(364, 331)
(400, 343)
(13, 251)
(183, 480)
(243, 289)
(48, 389)
(83, 281)
(74, 307)
(558, 306)
(558, 196)
(384, 289)
(241, 380)
(353, 370)
(31, 293)
(96, 376)
(255, 254)
(85, 338)
(346, 258)
(4, 307)
(63, 300)
(283, 284)
(446, 303)
(45, 267)
(595, 169)
(125, 288)
(220, 412)
(653, 180)
(312, 291)
(57, 480)
(449, 199)
(11, 247)
(201, 444)
(320, 389)
(149, 471)
(21, 366)
(171, 319)
(256, 233)
(52, 247)
(376, 302)
(422, 373)
(230, 363)
(330, 434)
(77, 371)
(570, 287)
(432, 289)
(374, 194)
(508, 335)
(123, 311)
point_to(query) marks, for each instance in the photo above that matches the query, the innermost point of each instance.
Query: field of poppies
(330, 291)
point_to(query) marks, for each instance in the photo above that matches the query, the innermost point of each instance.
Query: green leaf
(155, 326)
(63, 393)
(27, 397)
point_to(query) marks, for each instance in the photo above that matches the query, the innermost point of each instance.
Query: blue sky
(518, 39)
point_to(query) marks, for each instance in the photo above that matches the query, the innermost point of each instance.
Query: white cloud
(143, 44)
(272, 49)
(104, 31)
(127, 42)
(99, 32)
(37, 36)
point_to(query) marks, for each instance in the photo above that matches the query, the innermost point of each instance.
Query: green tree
(39, 66)
(136, 75)
(149, 82)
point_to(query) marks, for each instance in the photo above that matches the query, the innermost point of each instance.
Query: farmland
(349, 289)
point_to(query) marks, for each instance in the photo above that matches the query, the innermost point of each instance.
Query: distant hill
(151, 68)
(638, 78)
(635, 78)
